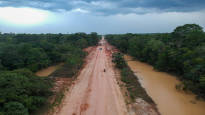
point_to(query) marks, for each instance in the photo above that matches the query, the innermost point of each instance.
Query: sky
(102, 16)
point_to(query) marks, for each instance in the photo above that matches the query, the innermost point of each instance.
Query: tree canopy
(21, 92)
(181, 52)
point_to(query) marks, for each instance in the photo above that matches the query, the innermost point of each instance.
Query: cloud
(80, 10)
(110, 7)
(23, 16)
(75, 21)
(102, 16)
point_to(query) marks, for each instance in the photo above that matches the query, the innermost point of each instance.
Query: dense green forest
(21, 92)
(181, 52)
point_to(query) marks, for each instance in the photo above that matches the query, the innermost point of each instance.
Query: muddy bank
(47, 71)
(161, 87)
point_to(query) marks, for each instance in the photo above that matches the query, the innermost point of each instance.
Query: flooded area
(161, 88)
(47, 71)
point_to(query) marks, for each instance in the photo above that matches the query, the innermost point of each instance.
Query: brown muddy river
(161, 88)
(47, 71)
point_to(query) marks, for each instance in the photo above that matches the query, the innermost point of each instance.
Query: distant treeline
(181, 52)
(21, 92)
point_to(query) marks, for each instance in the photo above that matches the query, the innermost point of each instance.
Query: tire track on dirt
(84, 106)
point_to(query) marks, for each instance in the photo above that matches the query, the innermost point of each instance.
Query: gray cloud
(108, 7)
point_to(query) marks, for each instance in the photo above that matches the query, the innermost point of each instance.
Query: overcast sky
(102, 16)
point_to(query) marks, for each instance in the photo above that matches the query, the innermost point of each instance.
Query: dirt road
(95, 92)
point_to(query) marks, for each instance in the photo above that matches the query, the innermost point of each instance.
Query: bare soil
(47, 71)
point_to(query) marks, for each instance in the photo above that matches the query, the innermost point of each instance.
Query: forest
(21, 55)
(181, 52)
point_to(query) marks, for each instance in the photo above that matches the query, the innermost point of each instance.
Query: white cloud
(80, 10)
(23, 16)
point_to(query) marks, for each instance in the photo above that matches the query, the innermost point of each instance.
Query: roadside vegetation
(21, 91)
(181, 52)
(131, 81)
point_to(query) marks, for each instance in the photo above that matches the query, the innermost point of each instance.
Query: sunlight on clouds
(23, 16)
(80, 10)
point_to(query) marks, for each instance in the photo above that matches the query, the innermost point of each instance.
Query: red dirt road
(95, 92)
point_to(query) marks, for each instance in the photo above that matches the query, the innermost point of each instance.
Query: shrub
(118, 60)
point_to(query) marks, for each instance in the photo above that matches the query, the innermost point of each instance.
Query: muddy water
(47, 71)
(161, 87)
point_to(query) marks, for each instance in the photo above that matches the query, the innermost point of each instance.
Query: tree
(21, 92)
(82, 43)
(10, 57)
(118, 60)
(186, 29)
(123, 45)
(186, 35)
(151, 50)
(73, 61)
(37, 59)
(94, 38)
(182, 52)
(23, 87)
(1, 66)
(15, 108)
